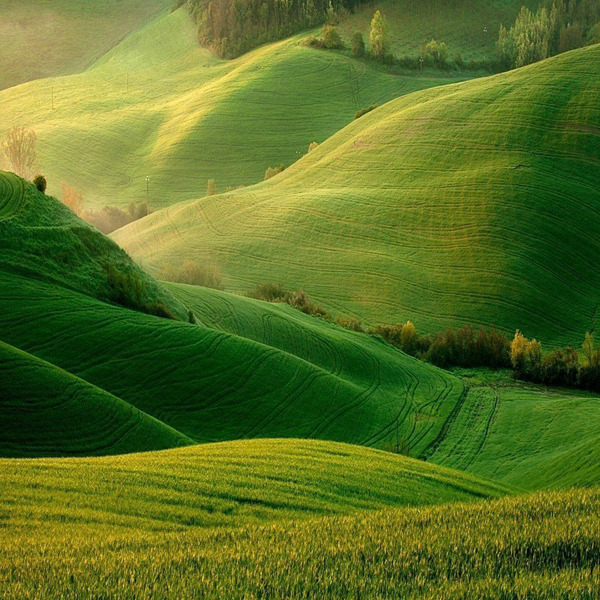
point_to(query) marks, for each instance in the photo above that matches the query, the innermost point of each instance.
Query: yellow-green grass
(45, 38)
(48, 412)
(526, 436)
(537, 547)
(159, 106)
(469, 27)
(225, 484)
(472, 203)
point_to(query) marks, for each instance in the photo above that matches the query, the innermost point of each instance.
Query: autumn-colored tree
(409, 338)
(378, 38)
(19, 148)
(518, 349)
(72, 198)
(312, 146)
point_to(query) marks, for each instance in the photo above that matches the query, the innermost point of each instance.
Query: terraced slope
(41, 238)
(525, 436)
(473, 203)
(45, 38)
(542, 546)
(159, 106)
(45, 411)
(469, 27)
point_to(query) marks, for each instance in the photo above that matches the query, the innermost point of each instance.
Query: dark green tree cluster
(232, 27)
(561, 366)
(557, 26)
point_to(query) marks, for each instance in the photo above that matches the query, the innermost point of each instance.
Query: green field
(45, 38)
(541, 546)
(473, 203)
(165, 441)
(159, 106)
(310, 379)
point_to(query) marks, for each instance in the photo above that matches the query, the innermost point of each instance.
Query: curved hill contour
(472, 203)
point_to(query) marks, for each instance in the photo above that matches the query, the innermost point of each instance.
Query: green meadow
(162, 440)
(472, 203)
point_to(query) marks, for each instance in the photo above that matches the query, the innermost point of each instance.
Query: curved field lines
(12, 195)
(299, 377)
(45, 411)
(525, 436)
(472, 203)
(159, 106)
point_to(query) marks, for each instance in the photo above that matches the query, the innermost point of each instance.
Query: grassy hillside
(45, 411)
(468, 203)
(543, 546)
(469, 27)
(159, 106)
(214, 386)
(42, 239)
(45, 38)
(226, 484)
(525, 436)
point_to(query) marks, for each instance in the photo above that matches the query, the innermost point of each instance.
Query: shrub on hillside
(330, 38)
(271, 292)
(40, 183)
(358, 45)
(313, 146)
(272, 171)
(364, 111)
(72, 198)
(194, 273)
(211, 188)
(351, 323)
(111, 218)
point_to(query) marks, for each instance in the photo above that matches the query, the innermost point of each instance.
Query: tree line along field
(472, 203)
(47, 38)
(159, 106)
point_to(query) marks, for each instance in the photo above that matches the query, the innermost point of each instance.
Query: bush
(313, 146)
(330, 38)
(72, 198)
(271, 292)
(272, 171)
(351, 323)
(358, 45)
(211, 188)
(364, 111)
(193, 273)
(111, 218)
(40, 183)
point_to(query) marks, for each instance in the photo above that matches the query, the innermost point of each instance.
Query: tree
(211, 188)
(358, 45)
(378, 38)
(312, 146)
(72, 198)
(272, 171)
(518, 349)
(409, 338)
(40, 183)
(19, 149)
(331, 39)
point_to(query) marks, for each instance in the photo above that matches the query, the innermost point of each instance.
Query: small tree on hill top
(19, 149)
(378, 38)
(40, 183)
(331, 38)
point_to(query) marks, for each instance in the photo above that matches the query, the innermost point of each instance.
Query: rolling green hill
(42, 239)
(525, 436)
(48, 412)
(207, 384)
(45, 38)
(472, 203)
(159, 106)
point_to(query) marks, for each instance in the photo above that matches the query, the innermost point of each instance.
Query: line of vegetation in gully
(298, 299)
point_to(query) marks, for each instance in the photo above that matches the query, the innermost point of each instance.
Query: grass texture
(541, 546)
(159, 106)
(46, 38)
(472, 203)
